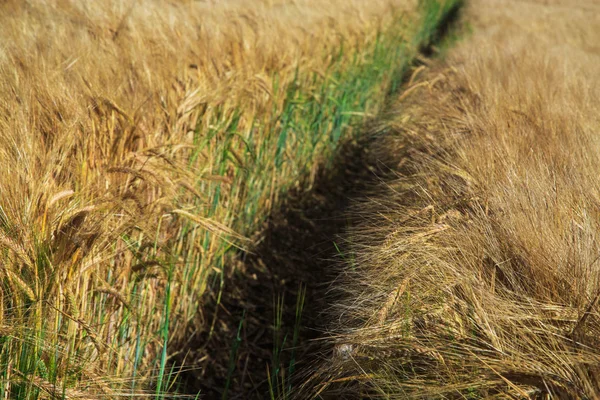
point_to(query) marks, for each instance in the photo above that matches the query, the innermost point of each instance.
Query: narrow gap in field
(276, 303)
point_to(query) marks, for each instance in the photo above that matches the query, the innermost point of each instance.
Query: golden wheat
(476, 273)
(117, 164)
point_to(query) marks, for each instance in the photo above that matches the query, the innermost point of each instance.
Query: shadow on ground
(296, 255)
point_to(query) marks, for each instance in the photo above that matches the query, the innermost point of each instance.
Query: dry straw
(139, 141)
(476, 273)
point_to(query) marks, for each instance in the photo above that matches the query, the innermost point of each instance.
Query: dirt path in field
(274, 310)
(296, 258)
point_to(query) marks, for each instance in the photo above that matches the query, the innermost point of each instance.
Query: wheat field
(144, 142)
(475, 271)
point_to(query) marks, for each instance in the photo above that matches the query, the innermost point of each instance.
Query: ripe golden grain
(481, 261)
(112, 119)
